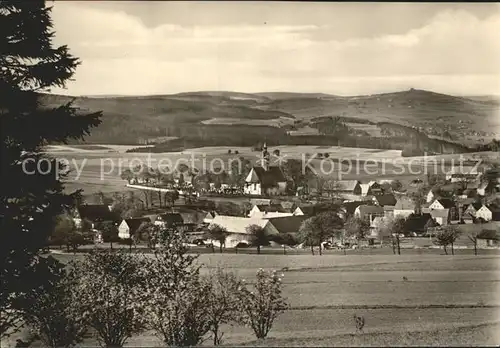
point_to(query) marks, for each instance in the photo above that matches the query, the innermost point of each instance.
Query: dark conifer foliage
(30, 65)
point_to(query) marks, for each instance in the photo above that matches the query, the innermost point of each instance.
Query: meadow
(446, 300)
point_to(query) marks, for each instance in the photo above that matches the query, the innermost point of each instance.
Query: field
(99, 166)
(447, 300)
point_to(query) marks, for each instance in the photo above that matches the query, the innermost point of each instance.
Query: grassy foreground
(444, 301)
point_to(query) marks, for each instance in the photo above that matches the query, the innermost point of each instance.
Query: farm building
(129, 227)
(209, 217)
(260, 210)
(236, 227)
(94, 213)
(169, 220)
(368, 212)
(304, 210)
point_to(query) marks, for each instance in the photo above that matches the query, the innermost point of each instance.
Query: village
(227, 213)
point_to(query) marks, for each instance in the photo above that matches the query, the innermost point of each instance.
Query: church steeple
(265, 157)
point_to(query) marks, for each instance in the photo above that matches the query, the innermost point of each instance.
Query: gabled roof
(135, 224)
(346, 185)
(306, 209)
(288, 224)
(235, 224)
(364, 189)
(96, 212)
(404, 203)
(287, 205)
(446, 203)
(269, 177)
(386, 199)
(171, 219)
(417, 222)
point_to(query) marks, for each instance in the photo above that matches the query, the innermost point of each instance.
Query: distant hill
(202, 117)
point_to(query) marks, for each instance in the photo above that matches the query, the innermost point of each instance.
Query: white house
(129, 227)
(484, 213)
(430, 196)
(442, 203)
(265, 180)
(404, 207)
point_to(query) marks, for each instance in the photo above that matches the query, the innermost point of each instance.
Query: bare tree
(223, 302)
(473, 238)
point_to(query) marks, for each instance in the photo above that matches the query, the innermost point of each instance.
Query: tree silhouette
(31, 65)
(218, 233)
(259, 236)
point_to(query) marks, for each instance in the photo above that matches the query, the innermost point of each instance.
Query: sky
(141, 47)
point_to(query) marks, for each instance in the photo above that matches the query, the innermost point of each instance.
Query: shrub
(48, 310)
(107, 293)
(177, 299)
(261, 307)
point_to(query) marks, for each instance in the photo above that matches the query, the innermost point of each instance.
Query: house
(192, 219)
(129, 227)
(488, 238)
(307, 210)
(389, 211)
(442, 203)
(484, 213)
(209, 217)
(441, 216)
(368, 212)
(352, 187)
(374, 189)
(265, 180)
(419, 223)
(275, 208)
(236, 227)
(431, 196)
(170, 220)
(288, 206)
(348, 208)
(404, 207)
(469, 211)
(95, 213)
(364, 189)
(385, 199)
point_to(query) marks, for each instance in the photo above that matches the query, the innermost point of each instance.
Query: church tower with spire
(265, 157)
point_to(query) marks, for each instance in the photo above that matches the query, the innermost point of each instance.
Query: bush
(261, 307)
(229, 151)
(236, 152)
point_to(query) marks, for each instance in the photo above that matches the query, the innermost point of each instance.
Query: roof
(386, 199)
(268, 177)
(370, 209)
(446, 203)
(346, 185)
(475, 205)
(404, 203)
(489, 234)
(235, 224)
(289, 224)
(97, 212)
(135, 223)
(418, 223)
(171, 218)
(306, 209)
(463, 170)
(272, 208)
(440, 213)
(350, 207)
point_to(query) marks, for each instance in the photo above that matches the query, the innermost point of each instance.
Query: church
(265, 180)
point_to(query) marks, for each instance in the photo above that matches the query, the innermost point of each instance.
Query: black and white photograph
(249, 173)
